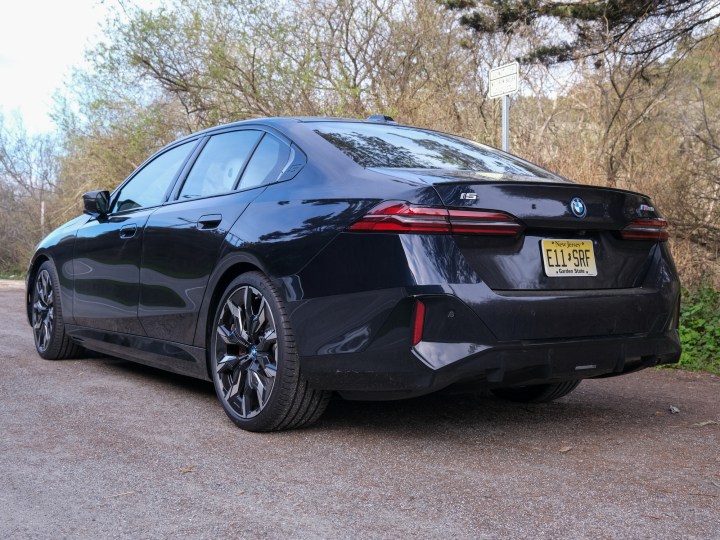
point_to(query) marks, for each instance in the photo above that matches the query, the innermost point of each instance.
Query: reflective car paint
(492, 316)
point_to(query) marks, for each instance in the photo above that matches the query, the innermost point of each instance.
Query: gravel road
(102, 448)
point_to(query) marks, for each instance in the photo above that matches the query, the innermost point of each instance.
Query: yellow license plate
(568, 258)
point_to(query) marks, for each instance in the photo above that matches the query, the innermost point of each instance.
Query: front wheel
(537, 393)
(51, 341)
(254, 363)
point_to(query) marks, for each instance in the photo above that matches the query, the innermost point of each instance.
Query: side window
(149, 186)
(219, 165)
(266, 163)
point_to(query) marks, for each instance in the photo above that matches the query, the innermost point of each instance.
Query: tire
(254, 363)
(51, 340)
(538, 393)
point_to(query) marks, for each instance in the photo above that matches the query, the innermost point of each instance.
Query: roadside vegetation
(623, 94)
(700, 329)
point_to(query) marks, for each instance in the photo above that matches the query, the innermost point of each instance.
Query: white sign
(504, 80)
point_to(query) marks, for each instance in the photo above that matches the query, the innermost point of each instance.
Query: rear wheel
(537, 393)
(51, 341)
(254, 363)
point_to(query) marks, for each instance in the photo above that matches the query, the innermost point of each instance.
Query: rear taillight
(646, 229)
(481, 222)
(402, 217)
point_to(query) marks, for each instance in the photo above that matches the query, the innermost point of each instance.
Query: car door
(183, 238)
(106, 257)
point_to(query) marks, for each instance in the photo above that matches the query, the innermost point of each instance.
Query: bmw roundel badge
(578, 208)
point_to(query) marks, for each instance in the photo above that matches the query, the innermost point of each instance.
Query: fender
(58, 247)
(230, 265)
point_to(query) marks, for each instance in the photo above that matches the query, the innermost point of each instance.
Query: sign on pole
(503, 82)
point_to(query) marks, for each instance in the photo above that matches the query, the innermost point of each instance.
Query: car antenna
(384, 118)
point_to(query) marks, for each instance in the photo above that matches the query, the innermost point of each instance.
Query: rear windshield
(389, 146)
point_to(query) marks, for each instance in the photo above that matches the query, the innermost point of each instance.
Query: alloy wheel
(43, 310)
(246, 351)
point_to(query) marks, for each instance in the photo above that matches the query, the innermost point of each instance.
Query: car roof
(277, 122)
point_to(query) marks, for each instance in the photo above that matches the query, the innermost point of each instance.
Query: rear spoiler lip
(451, 177)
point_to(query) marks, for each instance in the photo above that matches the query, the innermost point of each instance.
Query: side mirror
(96, 203)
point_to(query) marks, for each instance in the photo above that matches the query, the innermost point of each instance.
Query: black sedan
(289, 258)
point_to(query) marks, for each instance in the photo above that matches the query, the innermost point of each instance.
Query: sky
(40, 41)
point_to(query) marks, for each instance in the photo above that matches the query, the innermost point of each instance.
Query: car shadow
(126, 368)
(591, 408)
(586, 412)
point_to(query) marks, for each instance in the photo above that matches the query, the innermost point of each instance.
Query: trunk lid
(545, 207)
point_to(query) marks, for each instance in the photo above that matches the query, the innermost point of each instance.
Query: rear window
(389, 146)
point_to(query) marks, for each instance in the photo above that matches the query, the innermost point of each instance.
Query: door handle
(209, 222)
(128, 231)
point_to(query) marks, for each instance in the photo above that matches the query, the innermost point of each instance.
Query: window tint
(149, 186)
(390, 146)
(219, 164)
(266, 163)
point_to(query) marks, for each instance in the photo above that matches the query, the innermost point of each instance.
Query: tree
(621, 46)
(28, 174)
(598, 117)
(638, 29)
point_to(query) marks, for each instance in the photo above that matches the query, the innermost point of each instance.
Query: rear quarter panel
(291, 222)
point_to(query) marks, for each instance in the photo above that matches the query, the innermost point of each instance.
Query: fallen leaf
(187, 469)
(565, 449)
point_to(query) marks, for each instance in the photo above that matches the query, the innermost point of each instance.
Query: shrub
(700, 329)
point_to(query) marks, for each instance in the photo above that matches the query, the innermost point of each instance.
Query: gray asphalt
(102, 448)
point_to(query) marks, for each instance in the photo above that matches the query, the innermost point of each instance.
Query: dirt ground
(103, 448)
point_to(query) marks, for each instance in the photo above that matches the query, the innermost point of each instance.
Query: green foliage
(700, 329)
(12, 273)
(634, 28)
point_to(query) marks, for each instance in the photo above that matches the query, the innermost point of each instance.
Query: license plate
(568, 258)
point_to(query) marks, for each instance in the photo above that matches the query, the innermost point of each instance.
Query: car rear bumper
(361, 344)
(402, 372)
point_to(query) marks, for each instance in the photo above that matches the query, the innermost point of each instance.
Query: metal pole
(505, 123)
(42, 218)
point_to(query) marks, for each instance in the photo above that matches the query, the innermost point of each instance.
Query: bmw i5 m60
(289, 258)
